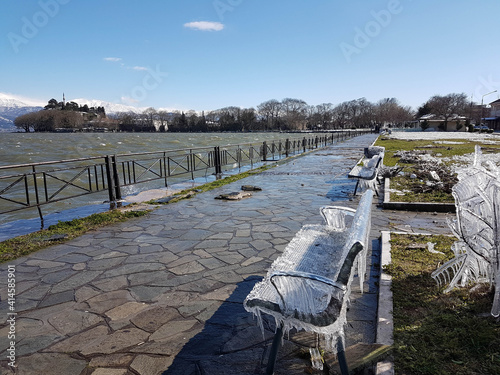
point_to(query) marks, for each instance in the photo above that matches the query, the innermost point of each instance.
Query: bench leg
(356, 188)
(344, 370)
(278, 338)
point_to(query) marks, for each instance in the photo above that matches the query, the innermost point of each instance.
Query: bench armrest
(304, 275)
(334, 216)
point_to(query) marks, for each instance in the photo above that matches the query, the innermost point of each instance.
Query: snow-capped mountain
(12, 107)
(109, 107)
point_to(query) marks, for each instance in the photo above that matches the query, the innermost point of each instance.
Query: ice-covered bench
(368, 168)
(308, 286)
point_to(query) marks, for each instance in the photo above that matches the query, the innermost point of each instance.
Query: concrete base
(385, 323)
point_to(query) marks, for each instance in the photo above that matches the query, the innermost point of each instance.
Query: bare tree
(269, 111)
(340, 115)
(389, 111)
(448, 106)
(324, 112)
(359, 113)
(294, 113)
(27, 122)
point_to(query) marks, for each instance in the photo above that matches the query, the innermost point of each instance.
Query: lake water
(23, 148)
(19, 148)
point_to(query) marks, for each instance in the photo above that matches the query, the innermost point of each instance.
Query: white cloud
(205, 26)
(113, 59)
(140, 68)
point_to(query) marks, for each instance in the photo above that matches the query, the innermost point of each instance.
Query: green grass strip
(437, 333)
(61, 232)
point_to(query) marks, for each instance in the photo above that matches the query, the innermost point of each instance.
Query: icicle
(477, 156)
(316, 359)
(260, 323)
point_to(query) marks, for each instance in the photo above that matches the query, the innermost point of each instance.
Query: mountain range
(12, 107)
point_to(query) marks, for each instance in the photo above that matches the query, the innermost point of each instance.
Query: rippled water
(24, 148)
(19, 148)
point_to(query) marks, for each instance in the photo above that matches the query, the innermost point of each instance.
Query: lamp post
(482, 98)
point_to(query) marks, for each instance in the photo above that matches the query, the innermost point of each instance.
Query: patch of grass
(61, 232)
(436, 333)
(461, 147)
(403, 183)
(411, 187)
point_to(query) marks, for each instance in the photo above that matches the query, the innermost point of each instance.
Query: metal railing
(35, 185)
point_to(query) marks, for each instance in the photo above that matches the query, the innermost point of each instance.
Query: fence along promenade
(32, 186)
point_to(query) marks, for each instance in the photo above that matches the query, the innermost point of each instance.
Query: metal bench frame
(266, 296)
(373, 154)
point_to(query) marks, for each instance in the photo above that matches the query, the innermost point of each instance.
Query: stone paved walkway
(163, 293)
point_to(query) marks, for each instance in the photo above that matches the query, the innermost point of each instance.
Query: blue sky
(209, 54)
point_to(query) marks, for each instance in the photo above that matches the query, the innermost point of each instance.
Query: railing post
(36, 197)
(264, 151)
(217, 161)
(111, 182)
(304, 144)
(287, 147)
(191, 163)
(165, 168)
(238, 156)
(118, 193)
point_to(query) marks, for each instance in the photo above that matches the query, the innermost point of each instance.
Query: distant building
(493, 121)
(436, 123)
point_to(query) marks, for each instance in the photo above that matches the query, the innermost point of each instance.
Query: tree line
(288, 114)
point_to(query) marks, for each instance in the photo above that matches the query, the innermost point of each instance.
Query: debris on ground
(237, 195)
(250, 188)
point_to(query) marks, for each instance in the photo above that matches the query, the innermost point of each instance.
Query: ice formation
(477, 228)
(308, 286)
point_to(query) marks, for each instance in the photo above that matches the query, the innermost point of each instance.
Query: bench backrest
(302, 292)
(359, 232)
(373, 150)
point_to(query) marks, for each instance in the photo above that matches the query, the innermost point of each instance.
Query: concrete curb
(385, 323)
(413, 206)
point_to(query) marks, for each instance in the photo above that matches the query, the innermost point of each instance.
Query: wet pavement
(164, 293)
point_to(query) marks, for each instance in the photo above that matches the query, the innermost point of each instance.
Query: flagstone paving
(163, 293)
